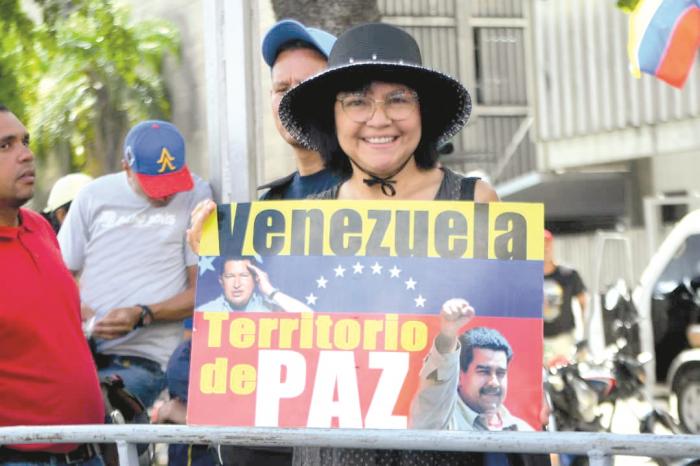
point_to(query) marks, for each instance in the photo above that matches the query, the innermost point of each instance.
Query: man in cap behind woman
(294, 53)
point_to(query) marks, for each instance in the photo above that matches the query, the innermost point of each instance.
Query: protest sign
(322, 313)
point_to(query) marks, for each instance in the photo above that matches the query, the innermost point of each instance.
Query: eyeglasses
(397, 106)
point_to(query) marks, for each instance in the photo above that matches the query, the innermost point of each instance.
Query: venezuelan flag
(664, 36)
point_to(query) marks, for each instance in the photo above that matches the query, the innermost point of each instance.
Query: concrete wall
(676, 172)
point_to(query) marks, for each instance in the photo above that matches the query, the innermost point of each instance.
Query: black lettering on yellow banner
(452, 229)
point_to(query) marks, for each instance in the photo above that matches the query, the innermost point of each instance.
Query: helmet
(65, 189)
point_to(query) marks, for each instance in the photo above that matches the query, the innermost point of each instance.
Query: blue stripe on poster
(401, 285)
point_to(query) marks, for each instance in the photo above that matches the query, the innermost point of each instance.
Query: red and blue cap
(155, 153)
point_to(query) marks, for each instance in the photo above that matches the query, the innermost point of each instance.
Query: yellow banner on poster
(444, 229)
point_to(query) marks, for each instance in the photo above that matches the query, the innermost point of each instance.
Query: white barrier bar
(598, 445)
(128, 455)
(597, 458)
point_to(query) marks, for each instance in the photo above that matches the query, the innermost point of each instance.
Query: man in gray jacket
(464, 380)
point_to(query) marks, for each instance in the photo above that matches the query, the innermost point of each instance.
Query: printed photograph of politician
(243, 286)
(464, 379)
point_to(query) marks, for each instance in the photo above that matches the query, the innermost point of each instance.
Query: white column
(231, 48)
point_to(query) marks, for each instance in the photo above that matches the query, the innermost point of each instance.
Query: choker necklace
(386, 183)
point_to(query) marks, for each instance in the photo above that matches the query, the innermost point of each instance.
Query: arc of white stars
(410, 284)
(376, 269)
(339, 271)
(394, 272)
(357, 268)
(311, 299)
(420, 301)
(321, 282)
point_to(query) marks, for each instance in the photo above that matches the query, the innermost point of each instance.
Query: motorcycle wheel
(687, 390)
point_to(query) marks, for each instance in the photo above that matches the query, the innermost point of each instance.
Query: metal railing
(599, 447)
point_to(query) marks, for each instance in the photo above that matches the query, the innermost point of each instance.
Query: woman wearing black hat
(377, 116)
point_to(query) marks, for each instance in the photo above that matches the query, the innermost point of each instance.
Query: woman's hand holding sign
(197, 218)
(454, 315)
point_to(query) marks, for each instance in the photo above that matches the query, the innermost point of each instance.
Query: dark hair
(3, 108)
(297, 44)
(224, 259)
(481, 337)
(53, 218)
(322, 124)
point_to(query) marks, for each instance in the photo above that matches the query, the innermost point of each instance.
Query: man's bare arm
(583, 302)
(118, 322)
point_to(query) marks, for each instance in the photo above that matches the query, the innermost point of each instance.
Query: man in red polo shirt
(47, 375)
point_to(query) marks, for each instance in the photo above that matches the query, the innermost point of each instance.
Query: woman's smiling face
(381, 144)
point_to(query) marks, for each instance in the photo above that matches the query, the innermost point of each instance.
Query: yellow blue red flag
(664, 36)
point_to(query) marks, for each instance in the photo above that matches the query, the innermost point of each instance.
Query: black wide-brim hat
(375, 52)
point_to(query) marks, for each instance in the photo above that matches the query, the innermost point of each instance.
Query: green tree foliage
(627, 6)
(19, 61)
(98, 72)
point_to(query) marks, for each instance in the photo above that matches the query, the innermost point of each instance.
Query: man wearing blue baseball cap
(125, 237)
(294, 53)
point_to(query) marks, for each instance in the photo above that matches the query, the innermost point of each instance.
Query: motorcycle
(585, 393)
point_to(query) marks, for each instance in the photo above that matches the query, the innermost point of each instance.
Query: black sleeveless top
(454, 187)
